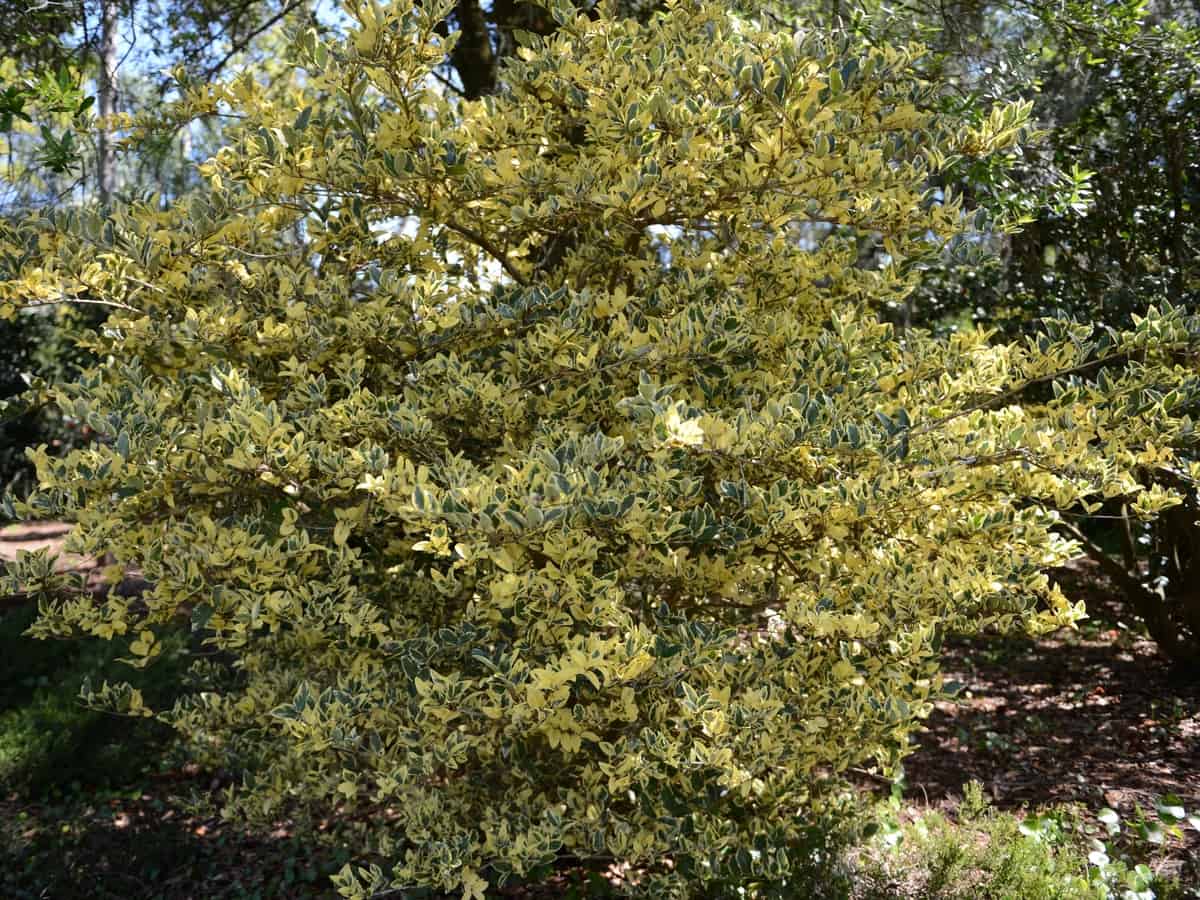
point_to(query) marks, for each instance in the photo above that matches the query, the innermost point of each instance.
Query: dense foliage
(1114, 90)
(541, 460)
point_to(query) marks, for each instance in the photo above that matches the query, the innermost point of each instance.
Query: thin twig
(112, 303)
(241, 45)
(491, 249)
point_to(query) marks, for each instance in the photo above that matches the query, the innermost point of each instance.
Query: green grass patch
(50, 741)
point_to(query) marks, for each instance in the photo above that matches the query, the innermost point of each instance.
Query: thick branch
(479, 240)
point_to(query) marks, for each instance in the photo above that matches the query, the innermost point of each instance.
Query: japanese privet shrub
(541, 460)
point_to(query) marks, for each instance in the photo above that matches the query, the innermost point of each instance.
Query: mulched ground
(35, 536)
(1094, 717)
(1064, 719)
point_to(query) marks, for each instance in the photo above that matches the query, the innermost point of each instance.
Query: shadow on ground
(99, 807)
(1094, 717)
(106, 846)
(1064, 719)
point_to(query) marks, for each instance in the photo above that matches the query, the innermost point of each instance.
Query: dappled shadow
(137, 845)
(1094, 717)
(1097, 720)
(97, 806)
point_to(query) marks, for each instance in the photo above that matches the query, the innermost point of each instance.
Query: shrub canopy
(541, 460)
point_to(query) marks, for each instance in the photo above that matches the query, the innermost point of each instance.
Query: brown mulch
(52, 536)
(1092, 716)
(1069, 718)
(32, 536)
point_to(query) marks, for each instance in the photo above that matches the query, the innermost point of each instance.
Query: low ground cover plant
(1057, 853)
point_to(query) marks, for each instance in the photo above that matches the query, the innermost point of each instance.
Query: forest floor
(98, 808)
(1092, 717)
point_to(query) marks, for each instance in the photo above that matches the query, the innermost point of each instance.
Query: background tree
(63, 68)
(1105, 195)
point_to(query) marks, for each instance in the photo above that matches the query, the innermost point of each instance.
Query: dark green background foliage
(1115, 93)
(38, 346)
(1136, 125)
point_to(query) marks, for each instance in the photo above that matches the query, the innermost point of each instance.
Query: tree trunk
(106, 164)
(472, 55)
(1175, 640)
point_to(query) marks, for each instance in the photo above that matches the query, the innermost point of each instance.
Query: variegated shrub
(541, 461)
